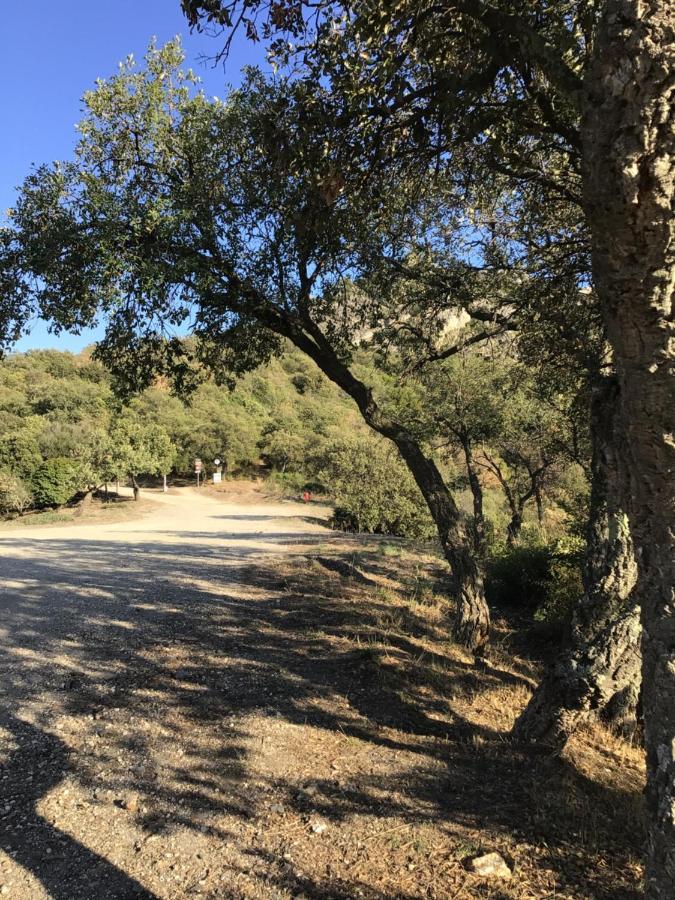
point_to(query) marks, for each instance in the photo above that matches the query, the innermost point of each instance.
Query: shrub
(542, 577)
(372, 490)
(14, 495)
(565, 584)
(55, 482)
(518, 575)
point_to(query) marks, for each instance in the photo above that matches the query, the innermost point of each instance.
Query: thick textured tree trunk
(137, 490)
(598, 671)
(628, 150)
(603, 674)
(472, 619)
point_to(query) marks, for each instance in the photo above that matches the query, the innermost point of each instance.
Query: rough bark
(472, 619)
(598, 670)
(628, 150)
(476, 488)
(601, 675)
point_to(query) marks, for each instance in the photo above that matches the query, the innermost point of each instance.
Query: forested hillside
(58, 413)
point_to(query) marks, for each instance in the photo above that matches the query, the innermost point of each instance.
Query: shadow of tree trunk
(70, 870)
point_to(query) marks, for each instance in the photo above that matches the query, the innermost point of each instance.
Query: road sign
(198, 466)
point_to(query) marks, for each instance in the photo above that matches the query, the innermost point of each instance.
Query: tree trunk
(472, 619)
(538, 499)
(84, 503)
(514, 527)
(477, 495)
(598, 671)
(628, 150)
(164, 487)
(137, 490)
(602, 675)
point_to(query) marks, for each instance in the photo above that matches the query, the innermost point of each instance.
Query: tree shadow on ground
(175, 645)
(65, 867)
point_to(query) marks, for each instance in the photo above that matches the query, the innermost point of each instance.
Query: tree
(176, 202)
(629, 179)
(14, 495)
(137, 449)
(572, 98)
(526, 450)
(372, 489)
(55, 482)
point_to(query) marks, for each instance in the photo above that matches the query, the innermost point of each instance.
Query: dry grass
(98, 512)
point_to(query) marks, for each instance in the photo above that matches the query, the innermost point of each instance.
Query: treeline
(63, 431)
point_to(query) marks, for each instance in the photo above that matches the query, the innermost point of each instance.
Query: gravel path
(95, 623)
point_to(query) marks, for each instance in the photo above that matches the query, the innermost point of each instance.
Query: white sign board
(217, 477)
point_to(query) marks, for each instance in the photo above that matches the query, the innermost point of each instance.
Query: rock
(319, 827)
(277, 808)
(491, 865)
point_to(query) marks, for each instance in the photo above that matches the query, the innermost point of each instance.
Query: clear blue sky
(51, 52)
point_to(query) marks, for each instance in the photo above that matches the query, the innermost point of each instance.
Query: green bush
(519, 575)
(565, 584)
(542, 577)
(14, 495)
(372, 490)
(55, 482)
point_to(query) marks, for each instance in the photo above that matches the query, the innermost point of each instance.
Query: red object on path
(306, 496)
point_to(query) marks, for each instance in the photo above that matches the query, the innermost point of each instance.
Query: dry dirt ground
(225, 700)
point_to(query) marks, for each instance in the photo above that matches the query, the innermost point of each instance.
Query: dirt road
(91, 619)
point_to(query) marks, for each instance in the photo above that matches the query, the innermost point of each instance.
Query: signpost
(217, 475)
(198, 469)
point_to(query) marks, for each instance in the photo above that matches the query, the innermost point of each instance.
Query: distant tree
(136, 449)
(283, 446)
(20, 450)
(15, 497)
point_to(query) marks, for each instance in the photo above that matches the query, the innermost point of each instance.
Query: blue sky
(50, 53)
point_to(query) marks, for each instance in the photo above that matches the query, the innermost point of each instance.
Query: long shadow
(169, 621)
(66, 868)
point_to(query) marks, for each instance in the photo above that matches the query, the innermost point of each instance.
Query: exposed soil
(225, 700)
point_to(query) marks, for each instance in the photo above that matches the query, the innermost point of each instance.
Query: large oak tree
(576, 99)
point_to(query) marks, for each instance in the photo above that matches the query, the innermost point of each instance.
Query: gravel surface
(108, 740)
